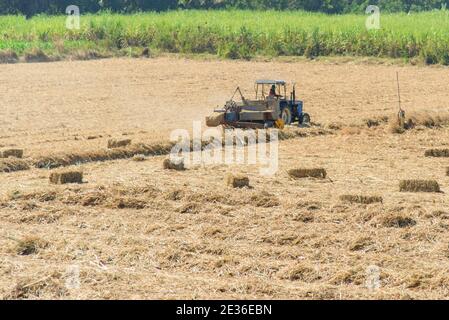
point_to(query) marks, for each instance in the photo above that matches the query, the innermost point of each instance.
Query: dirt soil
(134, 230)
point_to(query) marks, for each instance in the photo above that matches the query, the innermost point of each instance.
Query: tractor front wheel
(305, 119)
(286, 116)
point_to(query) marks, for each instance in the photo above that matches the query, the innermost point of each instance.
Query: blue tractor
(272, 107)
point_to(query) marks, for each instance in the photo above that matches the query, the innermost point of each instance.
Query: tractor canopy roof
(276, 82)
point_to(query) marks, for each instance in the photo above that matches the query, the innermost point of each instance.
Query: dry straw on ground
(236, 180)
(264, 199)
(360, 243)
(419, 119)
(67, 159)
(146, 52)
(50, 161)
(30, 288)
(64, 177)
(14, 153)
(113, 143)
(375, 122)
(11, 165)
(428, 119)
(88, 54)
(139, 158)
(419, 186)
(361, 199)
(349, 131)
(395, 220)
(437, 153)
(36, 55)
(319, 173)
(29, 245)
(294, 132)
(300, 272)
(8, 56)
(173, 164)
(394, 126)
(214, 120)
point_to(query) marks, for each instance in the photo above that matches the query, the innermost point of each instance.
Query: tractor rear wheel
(286, 116)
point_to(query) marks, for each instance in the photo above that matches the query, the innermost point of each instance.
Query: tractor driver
(273, 91)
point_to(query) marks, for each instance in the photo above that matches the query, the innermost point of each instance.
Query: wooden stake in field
(401, 114)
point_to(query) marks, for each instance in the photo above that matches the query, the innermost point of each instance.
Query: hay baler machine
(271, 108)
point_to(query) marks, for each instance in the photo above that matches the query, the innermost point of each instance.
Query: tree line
(33, 7)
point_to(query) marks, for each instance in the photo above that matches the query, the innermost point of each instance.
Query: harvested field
(116, 101)
(136, 230)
